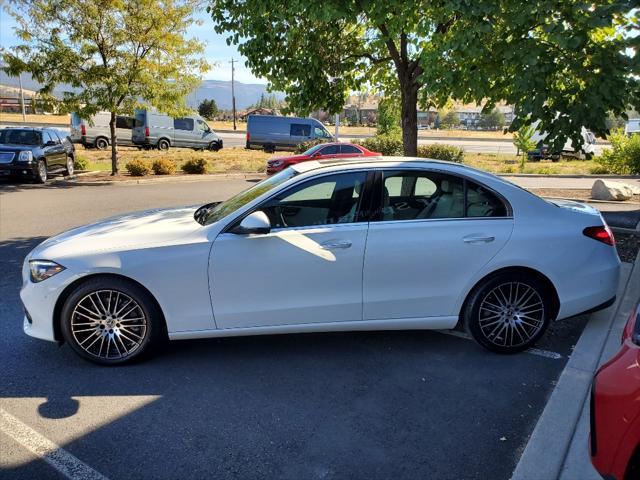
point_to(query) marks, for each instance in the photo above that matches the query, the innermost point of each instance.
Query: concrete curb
(161, 179)
(546, 453)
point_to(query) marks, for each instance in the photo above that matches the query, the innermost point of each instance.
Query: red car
(321, 151)
(615, 409)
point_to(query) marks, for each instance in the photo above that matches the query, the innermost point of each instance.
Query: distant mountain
(247, 94)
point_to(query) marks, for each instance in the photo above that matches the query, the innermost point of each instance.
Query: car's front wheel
(41, 172)
(70, 166)
(508, 312)
(111, 321)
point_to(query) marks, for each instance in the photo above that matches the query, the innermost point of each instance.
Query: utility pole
(233, 94)
(24, 117)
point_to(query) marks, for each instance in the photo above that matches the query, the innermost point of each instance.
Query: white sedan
(387, 244)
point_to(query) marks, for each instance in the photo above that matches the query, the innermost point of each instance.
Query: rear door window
(482, 202)
(349, 149)
(183, 124)
(330, 150)
(300, 130)
(124, 122)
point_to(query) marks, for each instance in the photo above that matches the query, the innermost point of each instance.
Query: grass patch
(506, 164)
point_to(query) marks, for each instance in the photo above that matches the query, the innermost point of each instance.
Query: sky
(217, 52)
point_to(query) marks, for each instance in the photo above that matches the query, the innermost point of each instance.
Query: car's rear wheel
(111, 321)
(269, 148)
(508, 312)
(163, 144)
(41, 173)
(101, 143)
(70, 167)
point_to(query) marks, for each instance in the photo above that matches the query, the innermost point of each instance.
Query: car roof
(394, 162)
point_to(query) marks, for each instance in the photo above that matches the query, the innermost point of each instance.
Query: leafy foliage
(388, 116)
(208, 109)
(80, 163)
(195, 166)
(450, 119)
(624, 156)
(163, 166)
(138, 167)
(523, 139)
(492, 120)
(304, 146)
(564, 63)
(115, 54)
(441, 151)
(384, 144)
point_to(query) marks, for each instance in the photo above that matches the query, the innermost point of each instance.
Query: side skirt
(423, 323)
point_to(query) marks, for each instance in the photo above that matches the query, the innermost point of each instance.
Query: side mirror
(257, 223)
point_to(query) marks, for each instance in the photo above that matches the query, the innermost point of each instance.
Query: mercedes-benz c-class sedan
(382, 244)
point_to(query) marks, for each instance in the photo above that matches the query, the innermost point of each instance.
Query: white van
(157, 130)
(96, 133)
(542, 151)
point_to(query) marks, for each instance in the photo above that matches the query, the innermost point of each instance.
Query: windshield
(20, 137)
(213, 212)
(314, 149)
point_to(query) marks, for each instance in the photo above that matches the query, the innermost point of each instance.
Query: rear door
(431, 231)
(349, 151)
(330, 151)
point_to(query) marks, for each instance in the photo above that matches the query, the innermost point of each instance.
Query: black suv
(35, 153)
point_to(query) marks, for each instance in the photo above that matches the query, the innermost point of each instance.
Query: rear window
(20, 137)
(183, 124)
(124, 122)
(140, 118)
(300, 130)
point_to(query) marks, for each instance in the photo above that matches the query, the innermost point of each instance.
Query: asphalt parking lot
(342, 405)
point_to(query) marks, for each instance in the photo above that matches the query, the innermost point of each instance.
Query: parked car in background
(544, 151)
(157, 130)
(271, 133)
(386, 244)
(96, 132)
(35, 153)
(632, 127)
(321, 151)
(615, 409)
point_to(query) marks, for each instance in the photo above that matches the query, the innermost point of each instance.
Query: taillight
(601, 233)
(248, 137)
(83, 129)
(146, 131)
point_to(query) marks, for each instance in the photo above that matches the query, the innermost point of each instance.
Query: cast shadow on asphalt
(15, 186)
(345, 405)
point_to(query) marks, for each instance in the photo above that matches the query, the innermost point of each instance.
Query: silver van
(157, 130)
(95, 132)
(271, 133)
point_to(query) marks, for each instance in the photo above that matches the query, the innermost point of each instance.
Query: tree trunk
(114, 144)
(409, 117)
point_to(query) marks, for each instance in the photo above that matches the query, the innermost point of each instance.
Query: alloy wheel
(108, 324)
(511, 314)
(70, 166)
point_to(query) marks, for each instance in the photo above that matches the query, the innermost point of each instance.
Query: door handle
(478, 239)
(335, 244)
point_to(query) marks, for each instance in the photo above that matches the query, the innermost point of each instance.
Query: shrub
(624, 156)
(440, 151)
(138, 167)
(304, 146)
(162, 166)
(508, 169)
(80, 163)
(385, 144)
(599, 170)
(196, 166)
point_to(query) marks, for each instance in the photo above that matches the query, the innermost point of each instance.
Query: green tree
(492, 120)
(208, 109)
(523, 141)
(115, 54)
(388, 116)
(544, 56)
(449, 119)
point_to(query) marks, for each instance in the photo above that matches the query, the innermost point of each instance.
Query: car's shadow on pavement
(345, 405)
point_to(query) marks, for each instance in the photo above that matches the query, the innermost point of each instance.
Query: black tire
(70, 166)
(214, 146)
(508, 312)
(269, 148)
(41, 172)
(101, 143)
(109, 295)
(163, 144)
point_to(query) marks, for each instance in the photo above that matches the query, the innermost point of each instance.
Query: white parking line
(532, 351)
(65, 463)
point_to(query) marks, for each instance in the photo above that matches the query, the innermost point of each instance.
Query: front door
(308, 269)
(183, 132)
(432, 234)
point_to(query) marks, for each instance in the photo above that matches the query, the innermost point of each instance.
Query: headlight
(25, 156)
(43, 269)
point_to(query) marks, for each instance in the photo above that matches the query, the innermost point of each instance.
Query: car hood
(125, 232)
(10, 147)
